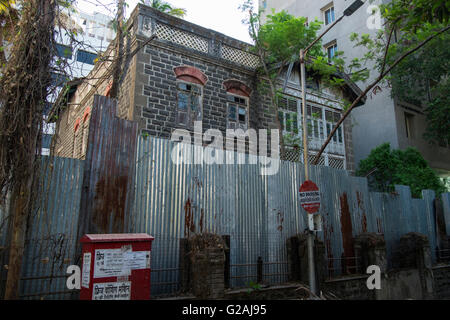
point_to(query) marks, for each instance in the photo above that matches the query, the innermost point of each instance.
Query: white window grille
(165, 32)
(239, 56)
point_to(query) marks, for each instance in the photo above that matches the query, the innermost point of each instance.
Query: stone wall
(156, 91)
(148, 89)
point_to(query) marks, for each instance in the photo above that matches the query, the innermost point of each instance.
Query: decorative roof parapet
(183, 33)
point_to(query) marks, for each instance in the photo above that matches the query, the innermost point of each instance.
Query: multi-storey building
(189, 74)
(382, 118)
(80, 37)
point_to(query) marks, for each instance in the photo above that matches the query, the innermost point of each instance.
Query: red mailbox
(116, 266)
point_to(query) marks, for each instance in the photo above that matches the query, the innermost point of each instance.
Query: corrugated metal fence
(173, 201)
(51, 237)
(260, 212)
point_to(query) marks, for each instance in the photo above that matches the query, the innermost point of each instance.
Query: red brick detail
(190, 74)
(237, 87)
(108, 89)
(77, 125)
(86, 114)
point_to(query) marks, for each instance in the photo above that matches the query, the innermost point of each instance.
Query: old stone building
(189, 74)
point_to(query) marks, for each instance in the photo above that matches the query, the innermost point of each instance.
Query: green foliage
(283, 35)
(408, 15)
(421, 78)
(385, 168)
(166, 8)
(253, 286)
(438, 114)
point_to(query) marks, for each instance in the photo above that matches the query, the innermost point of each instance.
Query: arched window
(190, 82)
(238, 96)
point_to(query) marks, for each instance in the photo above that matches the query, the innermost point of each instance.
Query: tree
(23, 92)
(278, 43)
(165, 7)
(416, 23)
(9, 17)
(385, 168)
(423, 79)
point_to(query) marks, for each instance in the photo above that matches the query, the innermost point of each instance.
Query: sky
(218, 15)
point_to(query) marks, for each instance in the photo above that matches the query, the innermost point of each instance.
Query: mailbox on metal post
(116, 266)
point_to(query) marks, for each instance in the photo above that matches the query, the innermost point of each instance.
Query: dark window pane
(182, 100)
(242, 113)
(309, 125)
(281, 118)
(232, 112)
(329, 15)
(86, 57)
(194, 103)
(292, 104)
(294, 115)
(336, 116)
(282, 102)
(182, 86)
(288, 122)
(64, 51)
(195, 90)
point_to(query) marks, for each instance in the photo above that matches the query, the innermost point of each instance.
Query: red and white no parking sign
(310, 196)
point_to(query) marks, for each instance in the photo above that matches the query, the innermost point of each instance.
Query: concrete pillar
(417, 246)
(371, 248)
(207, 266)
(297, 249)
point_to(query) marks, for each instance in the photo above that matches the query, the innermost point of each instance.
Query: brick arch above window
(190, 74)
(237, 87)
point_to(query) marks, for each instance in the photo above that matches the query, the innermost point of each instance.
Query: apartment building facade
(189, 74)
(382, 118)
(91, 35)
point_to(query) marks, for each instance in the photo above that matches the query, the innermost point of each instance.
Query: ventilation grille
(239, 56)
(189, 40)
(292, 155)
(337, 163)
(311, 158)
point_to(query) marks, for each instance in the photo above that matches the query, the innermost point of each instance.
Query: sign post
(310, 197)
(310, 201)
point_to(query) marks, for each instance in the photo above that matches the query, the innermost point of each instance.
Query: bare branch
(362, 95)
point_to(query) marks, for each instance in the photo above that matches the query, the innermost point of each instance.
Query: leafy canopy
(165, 7)
(385, 168)
(283, 35)
(421, 78)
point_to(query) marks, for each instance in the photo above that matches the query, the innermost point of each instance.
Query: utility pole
(303, 52)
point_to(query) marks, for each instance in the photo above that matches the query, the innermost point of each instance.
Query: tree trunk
(24, 91)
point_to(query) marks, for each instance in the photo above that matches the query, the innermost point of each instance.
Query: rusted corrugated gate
(107, 193)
